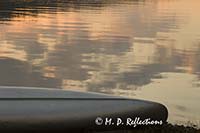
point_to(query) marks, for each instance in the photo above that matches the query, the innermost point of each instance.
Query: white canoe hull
(31, 109)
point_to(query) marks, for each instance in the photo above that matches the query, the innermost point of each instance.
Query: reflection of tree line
(52, 2)
(8, 8)
(69, 59)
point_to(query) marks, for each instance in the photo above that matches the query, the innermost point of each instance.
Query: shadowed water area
(142, 49)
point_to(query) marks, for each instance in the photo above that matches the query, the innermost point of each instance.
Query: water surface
(140, 49)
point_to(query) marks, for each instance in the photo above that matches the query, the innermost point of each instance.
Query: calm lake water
(147, 49)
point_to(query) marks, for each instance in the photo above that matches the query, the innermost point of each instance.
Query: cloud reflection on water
(116, 47)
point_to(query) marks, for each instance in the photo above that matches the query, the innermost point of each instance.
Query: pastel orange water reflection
(139, 49)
